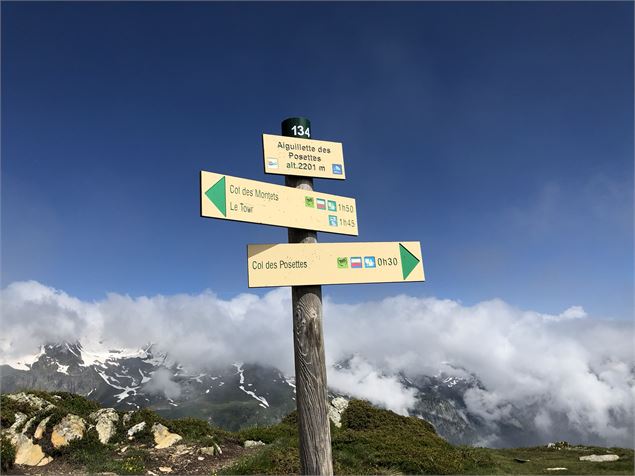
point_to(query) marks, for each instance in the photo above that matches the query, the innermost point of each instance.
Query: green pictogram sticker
(342, 263)
(309, 202)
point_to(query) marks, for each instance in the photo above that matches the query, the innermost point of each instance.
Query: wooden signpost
(304, 264)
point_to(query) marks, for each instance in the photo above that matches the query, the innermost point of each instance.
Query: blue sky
(500, 135)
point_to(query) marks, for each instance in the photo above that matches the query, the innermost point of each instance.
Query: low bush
(8, 409)
(7, 454)
(75, 404)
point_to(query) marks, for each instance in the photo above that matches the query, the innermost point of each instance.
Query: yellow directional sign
(233, 198)
(334, 263)
(306, 157)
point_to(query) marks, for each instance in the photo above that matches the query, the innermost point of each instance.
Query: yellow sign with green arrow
(233, 198)
(334, 263)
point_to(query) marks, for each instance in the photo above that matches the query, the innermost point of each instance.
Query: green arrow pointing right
(216, 194)
(408, 261)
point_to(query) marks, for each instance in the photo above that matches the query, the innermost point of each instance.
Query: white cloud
(364, 381)
(568, 365)
(162, 383)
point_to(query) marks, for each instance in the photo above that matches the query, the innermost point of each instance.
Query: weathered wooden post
(308, 344)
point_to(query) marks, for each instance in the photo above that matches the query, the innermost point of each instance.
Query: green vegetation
(64, 402)
(541, 457)
(72, 403)
(10, 408)
(7, 454)
(95, 457)
(200, 432)
(370, 441)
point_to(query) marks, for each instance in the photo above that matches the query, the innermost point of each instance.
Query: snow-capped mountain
(230, 397)
(239, 395)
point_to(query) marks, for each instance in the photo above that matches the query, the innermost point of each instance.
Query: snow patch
(63, 369)
(263, 401)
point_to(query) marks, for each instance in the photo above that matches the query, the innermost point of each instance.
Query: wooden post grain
(308, 345)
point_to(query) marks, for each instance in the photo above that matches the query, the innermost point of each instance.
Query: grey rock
(41, 428)
(211, 450)
(20, 418)
(252, 443)
(137, 428)
(335, 409)
(162, 436)
(28, 453)
(127, 417)
(106, 423)
(70, 428)
(599, 458)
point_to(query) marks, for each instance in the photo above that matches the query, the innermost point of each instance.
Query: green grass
(541, 458)
(373, 441)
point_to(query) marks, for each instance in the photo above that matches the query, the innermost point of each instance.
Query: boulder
(599, 458)
(70, 428)
(336, 407)
(106, 423)
(252, 443)
(28, 453)
(41, 428)
(136, 429)
(162, 436)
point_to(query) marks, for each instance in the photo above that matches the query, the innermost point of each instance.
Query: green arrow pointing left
(217, 196)
(408, 261)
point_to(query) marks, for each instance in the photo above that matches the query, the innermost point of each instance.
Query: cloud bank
(567, 366)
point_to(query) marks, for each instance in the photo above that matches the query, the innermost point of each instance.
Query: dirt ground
(177, 460)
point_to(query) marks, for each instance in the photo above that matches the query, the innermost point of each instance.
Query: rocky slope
(55, 429)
